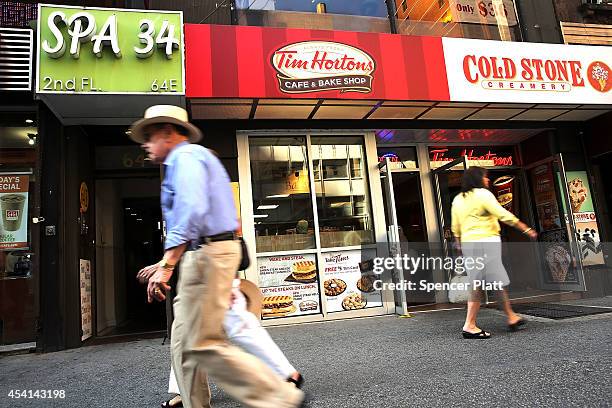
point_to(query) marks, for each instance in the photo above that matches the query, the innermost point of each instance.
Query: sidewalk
(375, 362)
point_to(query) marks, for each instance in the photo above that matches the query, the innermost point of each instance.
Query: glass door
(393, 230)
(447, 184)
(561, 267)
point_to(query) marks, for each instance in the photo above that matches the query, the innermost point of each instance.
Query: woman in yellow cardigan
(475, 225)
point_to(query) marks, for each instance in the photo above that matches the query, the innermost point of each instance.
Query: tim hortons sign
(312, 66)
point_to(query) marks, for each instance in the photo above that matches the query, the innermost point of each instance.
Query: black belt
(224, 236)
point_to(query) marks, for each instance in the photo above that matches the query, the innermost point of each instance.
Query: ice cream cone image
(598, 74)
(558, 260)
(602, 83)
(578, 193)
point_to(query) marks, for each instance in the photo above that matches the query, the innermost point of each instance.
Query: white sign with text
(485, 71)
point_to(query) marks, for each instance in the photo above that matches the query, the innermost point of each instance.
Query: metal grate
(558, 311)
(15, 59)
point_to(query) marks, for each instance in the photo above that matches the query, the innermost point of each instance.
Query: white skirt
(487, 256)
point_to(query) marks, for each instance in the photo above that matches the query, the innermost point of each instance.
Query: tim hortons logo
(312, 66)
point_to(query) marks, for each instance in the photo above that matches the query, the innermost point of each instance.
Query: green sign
(116, 51)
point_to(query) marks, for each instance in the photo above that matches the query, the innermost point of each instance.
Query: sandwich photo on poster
(289, 285)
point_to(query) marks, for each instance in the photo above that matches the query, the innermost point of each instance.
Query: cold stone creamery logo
(528, 74)
(312, 66)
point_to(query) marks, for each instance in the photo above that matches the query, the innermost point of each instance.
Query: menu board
(288, 285)
(346, 286)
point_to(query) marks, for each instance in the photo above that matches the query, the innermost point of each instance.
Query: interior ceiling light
(29, 121)
(260, 215)
(268, 207)
(278, 196)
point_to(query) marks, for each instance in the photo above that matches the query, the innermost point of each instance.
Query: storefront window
(282, 201)
(482, 19)
(343, 203)
(18, 158)
(365, 15)
(371, 8)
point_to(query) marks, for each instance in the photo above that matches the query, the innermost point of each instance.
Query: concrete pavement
(374, 362)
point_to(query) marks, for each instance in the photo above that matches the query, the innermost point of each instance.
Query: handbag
(459, 295)
(245, 261)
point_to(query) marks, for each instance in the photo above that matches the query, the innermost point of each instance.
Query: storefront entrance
(418, 196)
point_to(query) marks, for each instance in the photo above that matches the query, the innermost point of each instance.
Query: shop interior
(18, 280)
(507, 154)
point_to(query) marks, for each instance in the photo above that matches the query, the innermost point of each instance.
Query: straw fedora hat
(253, 296)
(164, 114)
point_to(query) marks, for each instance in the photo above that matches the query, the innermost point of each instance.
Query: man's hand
(145, 273)
(158, 284)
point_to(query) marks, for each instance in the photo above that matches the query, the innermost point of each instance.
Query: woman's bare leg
(473, 306)
(507, 306)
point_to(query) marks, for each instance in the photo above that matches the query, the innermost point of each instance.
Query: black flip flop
(166, 404)
(480, 335)
(298, 383)
(517, 326)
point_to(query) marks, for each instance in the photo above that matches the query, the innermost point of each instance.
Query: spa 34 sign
(312, 66)
(95, 50)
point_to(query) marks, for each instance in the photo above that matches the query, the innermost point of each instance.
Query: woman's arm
(495, 208)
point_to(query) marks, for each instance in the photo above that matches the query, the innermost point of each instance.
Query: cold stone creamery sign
(94, 50)
(533, 73)
(312, 66)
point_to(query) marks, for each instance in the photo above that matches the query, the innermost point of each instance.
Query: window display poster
(14, 208)
(587, 233)
(346, 287)
(85, 283)
(545, 197)
(288, 285)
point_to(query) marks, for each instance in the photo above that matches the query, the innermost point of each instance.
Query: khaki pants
(199, 344)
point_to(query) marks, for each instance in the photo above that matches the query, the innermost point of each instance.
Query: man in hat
(198, 207)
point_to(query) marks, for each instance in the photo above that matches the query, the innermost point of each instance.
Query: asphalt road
(374, 362)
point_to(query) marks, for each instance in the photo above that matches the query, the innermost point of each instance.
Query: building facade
(344, 127)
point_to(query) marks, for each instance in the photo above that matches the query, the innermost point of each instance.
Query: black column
(52, 324)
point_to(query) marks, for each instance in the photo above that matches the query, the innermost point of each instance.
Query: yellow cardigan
(475, 215)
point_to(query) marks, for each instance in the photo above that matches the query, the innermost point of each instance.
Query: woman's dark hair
(473, 178)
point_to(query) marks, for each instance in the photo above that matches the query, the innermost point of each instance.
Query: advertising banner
(495, 12)
(346, 287)
(110, 51)
(483, 71)
(587, 232)
(14, 208)
(264, 62)
(289, 285)
(85, 284)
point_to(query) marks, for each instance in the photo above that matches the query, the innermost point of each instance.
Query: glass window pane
(343, 198)
(371, 8)
(491, 19)
(282, 203)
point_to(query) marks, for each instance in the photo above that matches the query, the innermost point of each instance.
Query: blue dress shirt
(196, 196)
